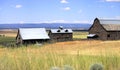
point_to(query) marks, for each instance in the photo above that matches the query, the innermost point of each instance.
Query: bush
(96, 67)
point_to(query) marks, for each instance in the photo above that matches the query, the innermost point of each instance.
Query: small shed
(31, 35)
(61, 34)
(105, 29)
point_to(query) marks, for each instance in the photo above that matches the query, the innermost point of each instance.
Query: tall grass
(24, 58)
(76, 55)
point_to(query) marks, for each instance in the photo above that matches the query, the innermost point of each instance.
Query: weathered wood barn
(31, 35)
(105, 29)
(61, 34)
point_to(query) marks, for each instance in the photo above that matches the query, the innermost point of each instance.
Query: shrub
(96, 67)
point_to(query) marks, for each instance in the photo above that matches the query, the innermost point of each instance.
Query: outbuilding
(31, 35)
(105, 29)
(61, 34)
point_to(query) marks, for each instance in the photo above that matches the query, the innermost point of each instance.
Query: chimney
(61, 27)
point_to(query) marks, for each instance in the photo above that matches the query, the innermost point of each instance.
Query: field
(71, 55)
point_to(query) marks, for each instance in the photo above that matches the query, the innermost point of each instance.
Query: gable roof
(61, 31)
(110, 25)
(33, 33)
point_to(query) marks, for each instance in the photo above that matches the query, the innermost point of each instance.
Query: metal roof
(33, 33)
(61, 30)
(110, 25)
(91, 35)
(109, 21)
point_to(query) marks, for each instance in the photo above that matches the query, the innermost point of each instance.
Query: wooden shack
(105, 29)
(31, 35)
(61, 34)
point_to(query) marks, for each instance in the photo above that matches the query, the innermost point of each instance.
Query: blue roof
(33, 33)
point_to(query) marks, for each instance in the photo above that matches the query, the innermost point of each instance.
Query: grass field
(77, 54)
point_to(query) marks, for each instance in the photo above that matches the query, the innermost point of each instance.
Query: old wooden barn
(105, 29)
(61, 34)
(31, 35)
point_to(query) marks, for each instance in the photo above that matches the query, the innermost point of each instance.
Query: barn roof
(110, 24)
(61, 31)
(33, 33)
(111, 27)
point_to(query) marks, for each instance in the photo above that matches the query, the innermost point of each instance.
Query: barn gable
(105, 29)
(27, 34)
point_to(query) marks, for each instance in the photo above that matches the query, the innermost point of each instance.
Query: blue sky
(57, 11)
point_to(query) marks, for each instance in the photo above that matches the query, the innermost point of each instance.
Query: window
(108, 35)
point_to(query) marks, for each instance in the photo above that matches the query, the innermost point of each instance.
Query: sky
(57, 11)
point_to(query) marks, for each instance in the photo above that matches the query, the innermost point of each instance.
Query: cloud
(59, 21)
(83, 21)
(64, 1)
(112, 0)
(117, 17)
(66, 8)
(18, 6)
(21, 22)
(66, 21)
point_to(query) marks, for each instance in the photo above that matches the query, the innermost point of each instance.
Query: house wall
(98, 30)
(61, 36)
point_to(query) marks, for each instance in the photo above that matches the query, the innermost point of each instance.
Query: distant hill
(78, 26)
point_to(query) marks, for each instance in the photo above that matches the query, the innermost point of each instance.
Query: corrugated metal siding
(33, 33)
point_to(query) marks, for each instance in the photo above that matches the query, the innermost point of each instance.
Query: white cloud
(78, 21)
(18, 6)
(66, 21)
(64, 1)
(66, 8)
(59, 21)
(21, 22)
(117, 17)
(112, 0)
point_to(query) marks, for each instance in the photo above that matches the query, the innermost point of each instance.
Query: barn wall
(18, 39)
(34, 41)
(113, 35)
(61, 36)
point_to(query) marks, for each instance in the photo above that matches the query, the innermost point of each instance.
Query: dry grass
(86, 47)
(8, 32)
(80, 35)
(79, 54)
